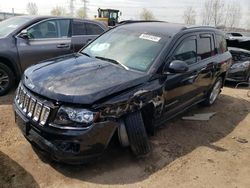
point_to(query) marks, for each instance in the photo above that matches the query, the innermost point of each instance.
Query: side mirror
(177, 66)
(24, 34)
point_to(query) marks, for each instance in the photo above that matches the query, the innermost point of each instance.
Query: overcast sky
(167, 10)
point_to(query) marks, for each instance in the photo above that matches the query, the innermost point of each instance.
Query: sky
(166, 10)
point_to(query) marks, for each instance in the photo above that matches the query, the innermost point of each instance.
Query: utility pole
(71, 7)
(85, 7)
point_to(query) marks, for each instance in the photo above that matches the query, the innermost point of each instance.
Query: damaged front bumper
(67, 146)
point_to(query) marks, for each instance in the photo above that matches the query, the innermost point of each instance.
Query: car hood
(80, 79)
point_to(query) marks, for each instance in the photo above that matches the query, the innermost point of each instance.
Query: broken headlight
(240, 65)
(74, 117)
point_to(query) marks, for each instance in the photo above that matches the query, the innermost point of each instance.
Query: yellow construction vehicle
(109, 16)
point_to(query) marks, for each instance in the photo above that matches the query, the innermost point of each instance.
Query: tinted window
(221, 45)
(50, 29)
(205, 46)
(79, 28)
(93, 29)
(187, 51)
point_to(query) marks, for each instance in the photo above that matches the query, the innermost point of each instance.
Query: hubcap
(4, 80)
(215, 92)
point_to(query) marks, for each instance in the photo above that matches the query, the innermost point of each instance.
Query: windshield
(133, 49)
(9, 25)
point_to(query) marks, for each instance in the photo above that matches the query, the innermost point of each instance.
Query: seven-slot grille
(33, 108)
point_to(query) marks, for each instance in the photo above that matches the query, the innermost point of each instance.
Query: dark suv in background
(128, 81)
(27, 40)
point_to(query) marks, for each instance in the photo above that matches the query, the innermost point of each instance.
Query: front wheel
(213, 93)
(137, 134)
(6, 79)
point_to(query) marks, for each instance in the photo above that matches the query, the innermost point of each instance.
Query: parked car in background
(128, 81)
(240, 69)
(27, 40)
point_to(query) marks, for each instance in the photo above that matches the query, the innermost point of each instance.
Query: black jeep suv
(26, 40)
(127, 82)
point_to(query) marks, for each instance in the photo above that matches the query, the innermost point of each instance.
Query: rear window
(221, 44)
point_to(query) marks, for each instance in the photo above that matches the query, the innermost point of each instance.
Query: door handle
(62, 46)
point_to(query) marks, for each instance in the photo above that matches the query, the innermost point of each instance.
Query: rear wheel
(6, 79)
(213, 93)
(137, 134)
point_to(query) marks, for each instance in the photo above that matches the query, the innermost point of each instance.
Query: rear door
(47, 39)
(83, 33)
(207, 62)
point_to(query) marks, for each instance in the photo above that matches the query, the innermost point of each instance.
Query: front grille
(31, 106)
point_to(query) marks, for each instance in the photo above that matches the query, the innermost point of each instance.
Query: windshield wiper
(83, 53)
(112, 61)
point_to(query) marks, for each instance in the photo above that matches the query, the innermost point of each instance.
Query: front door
(180, 88)
(47, 39)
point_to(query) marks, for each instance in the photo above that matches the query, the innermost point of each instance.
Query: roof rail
(137, 21)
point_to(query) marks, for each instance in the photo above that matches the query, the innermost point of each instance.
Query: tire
(137, 134)
(6, 79)
(213, 93)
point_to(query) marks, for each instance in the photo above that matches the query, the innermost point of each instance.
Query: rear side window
(187, 51)
(93, 29)
(221, 44)
(79, 28)
(205, 46)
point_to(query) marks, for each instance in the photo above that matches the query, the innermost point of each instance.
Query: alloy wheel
(4, 80)
(215, 92)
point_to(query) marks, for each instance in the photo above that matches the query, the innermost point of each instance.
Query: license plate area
(23, 124)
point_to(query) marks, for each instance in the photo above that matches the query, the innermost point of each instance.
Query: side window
(93, 29)
(50, 29)
(187, 51)
(79, 28)
(205, 46)
(221, 44)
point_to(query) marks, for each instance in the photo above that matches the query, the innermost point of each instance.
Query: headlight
(241, 65)
(74, 117)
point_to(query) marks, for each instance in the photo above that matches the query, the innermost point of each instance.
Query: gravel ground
(215, 153)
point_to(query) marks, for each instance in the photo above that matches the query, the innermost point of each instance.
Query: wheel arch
(12, 65)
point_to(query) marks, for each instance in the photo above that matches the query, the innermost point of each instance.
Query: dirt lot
(185, 154)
